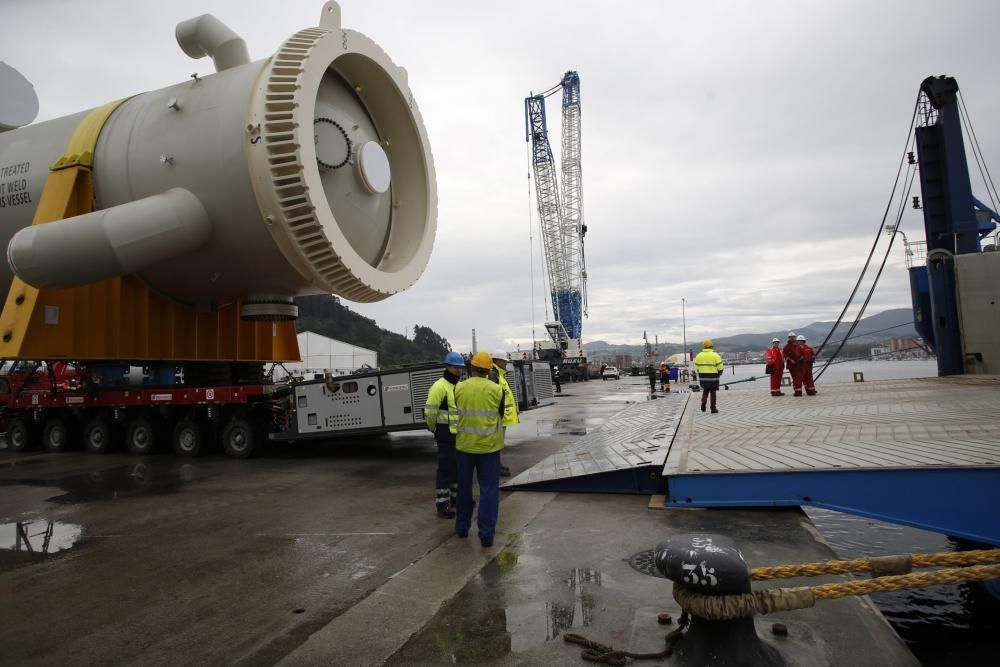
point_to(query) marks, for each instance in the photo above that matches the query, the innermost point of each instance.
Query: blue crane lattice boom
(561, 219)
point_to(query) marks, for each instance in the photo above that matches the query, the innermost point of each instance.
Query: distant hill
(326, 315)
(876, 328)
(880, 327)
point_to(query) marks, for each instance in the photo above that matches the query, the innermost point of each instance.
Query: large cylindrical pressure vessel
(313, 168)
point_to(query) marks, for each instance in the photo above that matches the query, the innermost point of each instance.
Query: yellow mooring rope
(878, 566)
(721, 607)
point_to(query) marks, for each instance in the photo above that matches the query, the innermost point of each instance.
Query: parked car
(610, 372)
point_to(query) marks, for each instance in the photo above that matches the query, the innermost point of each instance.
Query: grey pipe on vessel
(206, 35)
(116, 241)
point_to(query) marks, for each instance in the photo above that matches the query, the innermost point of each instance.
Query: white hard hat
(500, 354)
(791, 334)
(801, 338)
(775, 340)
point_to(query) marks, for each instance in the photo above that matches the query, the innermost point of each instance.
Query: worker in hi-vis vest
(441, 418)
(498, 374)
(709, 366)
(480, 406)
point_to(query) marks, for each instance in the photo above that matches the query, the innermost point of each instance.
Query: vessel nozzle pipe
(206, 35)
(112, 242)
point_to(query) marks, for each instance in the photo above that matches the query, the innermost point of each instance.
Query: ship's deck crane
(561, 218)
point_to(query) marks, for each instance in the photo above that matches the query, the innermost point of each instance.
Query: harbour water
(837, 372)
(945, 625)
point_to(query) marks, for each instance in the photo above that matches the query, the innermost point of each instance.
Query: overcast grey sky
(738, 155)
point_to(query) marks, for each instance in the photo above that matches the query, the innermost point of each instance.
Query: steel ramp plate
(922, 452)
(626, 455)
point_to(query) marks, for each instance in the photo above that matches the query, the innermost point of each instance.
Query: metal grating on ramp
(922, 452)
(626, 455)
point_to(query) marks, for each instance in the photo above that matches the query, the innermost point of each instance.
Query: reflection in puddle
(115, 482)
(567, 426)
(535, 623)
(627, 398)
(25, 541)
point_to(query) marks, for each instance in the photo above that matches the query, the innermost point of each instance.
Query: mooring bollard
(859, 376)
(713, 565)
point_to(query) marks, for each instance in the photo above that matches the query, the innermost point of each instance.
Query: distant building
(880, 352)
(901, 344)
(321, 355)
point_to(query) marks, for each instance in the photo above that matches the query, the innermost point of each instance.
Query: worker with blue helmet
(441, 417)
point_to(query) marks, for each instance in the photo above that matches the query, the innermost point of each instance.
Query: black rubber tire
(18, 435)
(140, 436)
(98, 436)
(188, 438)
(239, 438)
(56, 436)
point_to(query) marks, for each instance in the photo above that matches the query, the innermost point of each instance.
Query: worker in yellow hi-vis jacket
(480, 405)
(442, 420)
(709, 366)
(498, 374)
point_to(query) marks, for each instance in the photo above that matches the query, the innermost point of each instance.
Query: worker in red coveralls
(806, 358)
(791, 355)
(775, 366)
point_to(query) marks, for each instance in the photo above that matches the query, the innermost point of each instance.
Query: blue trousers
(447, 472)
(487, 468)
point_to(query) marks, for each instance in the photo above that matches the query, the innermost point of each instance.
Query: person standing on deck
(651, 373)
(664, 378)
(709, 366)
(498, 374)
(776, 363)
(480, 408)
(806, 358)
(791, 354)
(441, 418)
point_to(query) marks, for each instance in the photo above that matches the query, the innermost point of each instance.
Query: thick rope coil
(741, 605)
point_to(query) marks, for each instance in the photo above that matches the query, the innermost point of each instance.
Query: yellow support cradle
(121, 319)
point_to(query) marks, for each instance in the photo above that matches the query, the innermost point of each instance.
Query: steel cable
(878, 235)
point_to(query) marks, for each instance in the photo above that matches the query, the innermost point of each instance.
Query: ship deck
(920, 452)
(925, 422)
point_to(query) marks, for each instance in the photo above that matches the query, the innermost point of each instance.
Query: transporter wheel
(239, 438)
(140, 436)
(18, 435)
(56, 435)
(97, 436)
(188, 437)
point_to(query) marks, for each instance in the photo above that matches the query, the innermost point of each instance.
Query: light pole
(685, 330)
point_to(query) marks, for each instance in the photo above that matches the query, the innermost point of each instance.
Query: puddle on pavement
(627, 398)
(116, 482)
(537, 622)
(32, 541)
(479, 626)
(567, 426)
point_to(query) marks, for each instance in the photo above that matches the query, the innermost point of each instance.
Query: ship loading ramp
(921, 452)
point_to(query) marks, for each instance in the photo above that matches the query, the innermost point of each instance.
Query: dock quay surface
(331, 554)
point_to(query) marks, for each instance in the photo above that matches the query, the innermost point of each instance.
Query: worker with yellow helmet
(480, 407)
(498, 374)
(709, 366)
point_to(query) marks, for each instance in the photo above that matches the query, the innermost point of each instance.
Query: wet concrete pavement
(159, 560)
